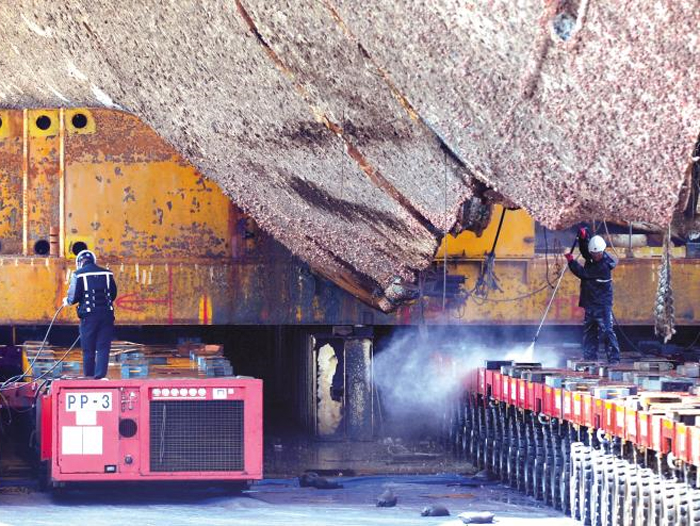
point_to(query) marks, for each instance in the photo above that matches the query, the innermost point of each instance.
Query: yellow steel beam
(183, 254)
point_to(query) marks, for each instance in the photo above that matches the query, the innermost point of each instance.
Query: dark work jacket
(94, 290)
(596, 279)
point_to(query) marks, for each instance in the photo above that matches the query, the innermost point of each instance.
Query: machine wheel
(607, 496)
(632, 499)
(669, 504)
(572, 487)
(556, 475)
(645, 488)
(577, 480)
(564, 452)
(656, 501)
(586, 489)
(595, 499)
(694, 508)
(683, 505)
(464, 445)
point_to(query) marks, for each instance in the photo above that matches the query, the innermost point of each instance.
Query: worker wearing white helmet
(596, 296)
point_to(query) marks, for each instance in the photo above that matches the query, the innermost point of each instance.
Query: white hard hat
(596, 245)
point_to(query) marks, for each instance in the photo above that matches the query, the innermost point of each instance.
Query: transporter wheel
(520, 467)
(494, 458)
(694, 508)
(571, 488)
(452, 428)
(464, 445)
(574, 482)
(510, 467)
(545, 481)
(473, 446)
(656, 500)
(620, 491)
(479, 459)
(556, 475)
(669, 514)
(565, 498)
(503, 461)
(595, 500)
(683, 505)
(558, 472)
(585, 490)
(631, 499)
(644, 487)
(527, 474)
(607, 495)
(541, 479)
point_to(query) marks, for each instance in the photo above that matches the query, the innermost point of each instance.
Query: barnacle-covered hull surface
(354, 133)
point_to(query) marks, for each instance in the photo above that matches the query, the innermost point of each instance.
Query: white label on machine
(91, 401)
(219, 393)
(72, 440)
(86, 418)
(92, 440)
(81, 440)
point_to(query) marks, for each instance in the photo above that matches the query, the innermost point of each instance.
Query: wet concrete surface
(421, 473)
(274, 502)
(292, 456)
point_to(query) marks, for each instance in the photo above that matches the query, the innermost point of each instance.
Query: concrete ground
(274, 502)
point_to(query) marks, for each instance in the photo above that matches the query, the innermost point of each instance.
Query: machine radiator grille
(196, 435)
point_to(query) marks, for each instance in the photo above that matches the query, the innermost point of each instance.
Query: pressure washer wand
(531, 348)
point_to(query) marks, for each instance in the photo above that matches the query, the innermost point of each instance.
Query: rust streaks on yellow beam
(25, 183)
(62, 181)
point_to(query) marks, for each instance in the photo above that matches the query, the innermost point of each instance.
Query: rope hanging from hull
(664, 312)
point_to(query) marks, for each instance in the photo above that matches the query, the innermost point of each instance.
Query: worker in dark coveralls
(596, 296)
(94, 290)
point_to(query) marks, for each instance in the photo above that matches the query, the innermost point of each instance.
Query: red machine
(153, 429)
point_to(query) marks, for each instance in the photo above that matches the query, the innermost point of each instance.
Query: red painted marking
(557, 307)
(170, 295)
(405, 314)
(205, 316)
(134, 302)
(576, 311)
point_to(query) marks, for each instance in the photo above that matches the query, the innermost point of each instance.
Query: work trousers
(597, 325)
(96, 339)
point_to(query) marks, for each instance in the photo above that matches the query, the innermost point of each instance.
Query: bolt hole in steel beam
(79, 120)
(42, 247)
(43, 122)
(78, 247)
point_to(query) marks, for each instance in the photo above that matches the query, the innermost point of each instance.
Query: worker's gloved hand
(65, 302)
(569, 257)
(583, 233)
